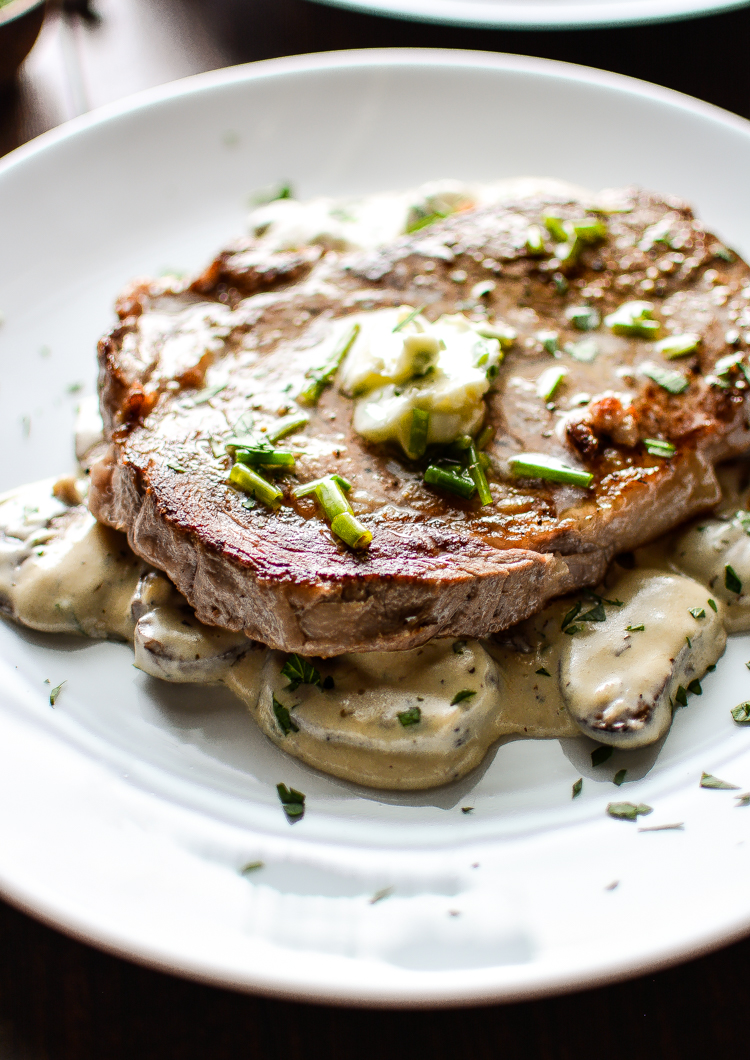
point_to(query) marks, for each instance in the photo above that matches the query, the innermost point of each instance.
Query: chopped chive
(619, 777)
(265, 457)
(585, 351)
(708, 781)
(658, 447)
(681, 696)
(741, 714)
(628, 811)
(712, 605)
(283, 717)
(635, 629)
(351, 531)
(453, 481)
(486, 435)
(539, 465)
(321, 377)
(695, 687)
(555, 227)
(601, 754)
(534, 240)
(465, 693)
(577, 788)
(697, 612)
(293, 802)
(420, 426)
(424, 220)
(300, 671)
(633, 319)
(476, 472)
(408, 319)
(250, 481)
(542, 672)
(677, 345)
(549, 381)
(583, 317)
(548, 340)
(731, 580)
(287, 426)
(410, 717)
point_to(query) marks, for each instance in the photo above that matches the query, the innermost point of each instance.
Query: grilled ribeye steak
(188, 360)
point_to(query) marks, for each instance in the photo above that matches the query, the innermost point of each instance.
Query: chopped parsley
(741, 713)
(542, 672)
(600, 755)
(583, 317)
(577, 788)
(465, 693)
(410, 717)
(731, 580)
(596, 614)
(681, 696)
(252, 866)
(744, 799)
(293, 802)
(712, 605)
(695, 687)
(628, 811)
(697, 612)
(459, 646)
(177, 467)
(635, 629)
(54, 694)
(283, 717)
(619, 777)
(707, 781)
(467, 809)
(743, 518)
(300, 671)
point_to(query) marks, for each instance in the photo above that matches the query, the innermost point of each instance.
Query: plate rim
(509, 15)
(552, 984)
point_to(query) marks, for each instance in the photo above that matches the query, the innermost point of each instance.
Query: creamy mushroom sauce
(62, 572)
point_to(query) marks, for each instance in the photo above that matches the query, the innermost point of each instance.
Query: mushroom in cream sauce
(397, 720)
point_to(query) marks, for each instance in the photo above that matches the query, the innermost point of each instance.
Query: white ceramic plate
(127, 811)
(541, 14)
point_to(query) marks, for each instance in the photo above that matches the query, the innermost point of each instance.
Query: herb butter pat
(401, 362)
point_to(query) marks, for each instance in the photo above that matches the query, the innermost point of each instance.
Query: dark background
(62, 1000)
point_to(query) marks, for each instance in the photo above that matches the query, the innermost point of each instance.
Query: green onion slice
(408, 319)
(351, 531)
(658, 447)
(634, 319)
(288, 425)
(265, 457)
(549, 468)
(420, 426)
(671, 381)
(677, 345)
(454, 481)
(549, 381)
(250, 481)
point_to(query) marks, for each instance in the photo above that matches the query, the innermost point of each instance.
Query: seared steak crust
(187, 360)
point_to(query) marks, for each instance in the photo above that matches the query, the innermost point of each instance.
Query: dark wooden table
(62, 1000)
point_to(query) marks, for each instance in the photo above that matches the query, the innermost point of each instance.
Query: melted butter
(400, 362)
